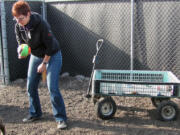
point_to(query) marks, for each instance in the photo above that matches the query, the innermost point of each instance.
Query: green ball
(25, 50)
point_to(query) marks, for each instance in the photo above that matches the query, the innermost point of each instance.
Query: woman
(31, 29)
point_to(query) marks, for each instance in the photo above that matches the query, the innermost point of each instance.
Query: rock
(63, 75)
(80, 77)
(87, 78)
(19, 81)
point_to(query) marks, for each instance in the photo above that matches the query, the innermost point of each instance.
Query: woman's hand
(41, 68)
(21, 57)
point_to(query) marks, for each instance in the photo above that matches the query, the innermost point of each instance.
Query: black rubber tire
(156, 101)
(167, 111)
(105, 108)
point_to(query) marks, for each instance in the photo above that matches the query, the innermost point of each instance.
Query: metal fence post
(4, 43)
(132, 33)
(1, 53)
(44, 9)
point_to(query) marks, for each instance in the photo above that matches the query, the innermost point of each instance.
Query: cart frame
(107, 83)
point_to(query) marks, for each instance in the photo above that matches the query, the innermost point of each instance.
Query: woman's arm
(18, 35)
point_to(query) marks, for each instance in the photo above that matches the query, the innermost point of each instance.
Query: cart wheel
(167, 111)
(105, 108)
(157, 101)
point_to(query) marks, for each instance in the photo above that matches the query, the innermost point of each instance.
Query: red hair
(20, 8)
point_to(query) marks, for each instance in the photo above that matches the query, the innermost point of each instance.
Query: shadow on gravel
(122, 128)
(15, 114)
(149, 118)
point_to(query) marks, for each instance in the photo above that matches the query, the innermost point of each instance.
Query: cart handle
(99, 43)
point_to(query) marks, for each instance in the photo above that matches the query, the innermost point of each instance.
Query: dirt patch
(134, 116)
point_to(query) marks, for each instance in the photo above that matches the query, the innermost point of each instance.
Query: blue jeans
(53, 70)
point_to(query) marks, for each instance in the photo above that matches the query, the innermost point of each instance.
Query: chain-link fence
(156, 34)
(79, 24)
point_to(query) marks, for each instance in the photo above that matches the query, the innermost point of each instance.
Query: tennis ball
(24, 50)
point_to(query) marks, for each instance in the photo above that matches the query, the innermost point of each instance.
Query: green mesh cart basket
(160, 86)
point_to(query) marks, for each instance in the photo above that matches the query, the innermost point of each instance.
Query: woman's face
(22, 20)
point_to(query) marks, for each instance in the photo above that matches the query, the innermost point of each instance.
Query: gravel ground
(134, 116)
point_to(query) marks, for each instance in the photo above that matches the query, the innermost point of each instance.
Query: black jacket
(38, 35)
